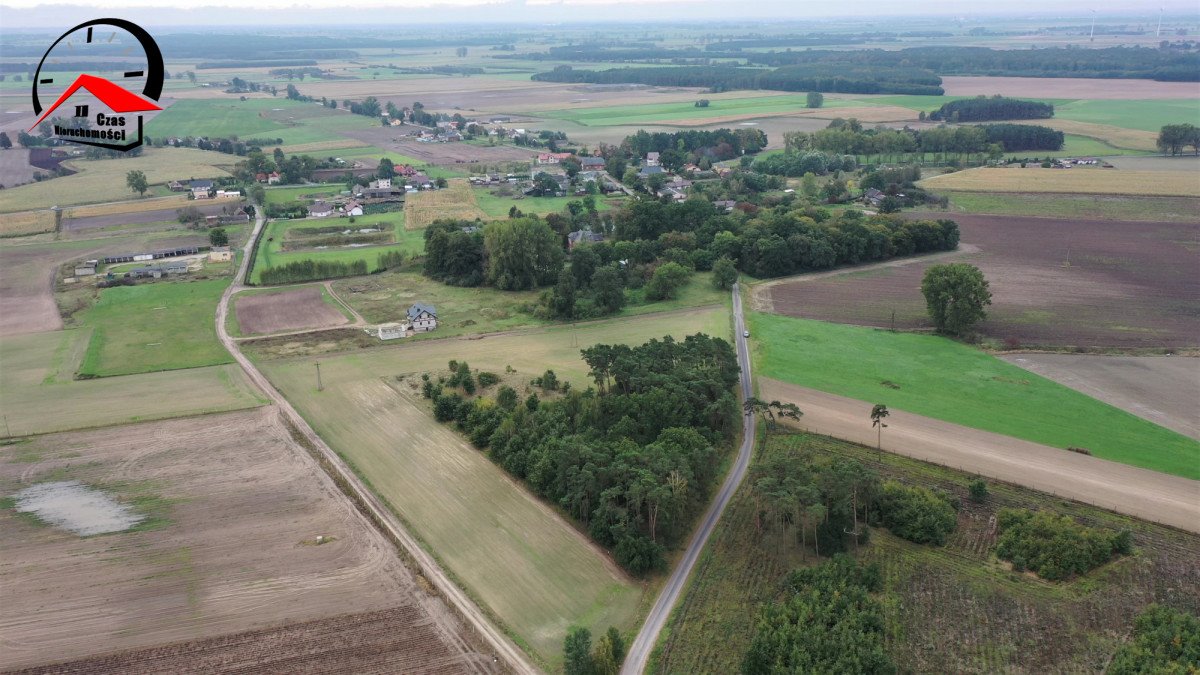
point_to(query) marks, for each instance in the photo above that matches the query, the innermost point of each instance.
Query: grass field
(153, 326)
(950, 609)
(511, 552)
(1075, 145)
(283, 195)
(42, 366)
(943, 379)
(1118, 137)
(103, 180)
(271, 253)
(456, 200)
(1069, 181)
(687, 110)
(1170, 209)
(497, 207)
(1146, 115)
(293, 122)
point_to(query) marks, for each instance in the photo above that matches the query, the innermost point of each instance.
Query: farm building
(391, 331)
(583, 237)
(422, 317)
(151, 255)
(320, 209)
(595, 163)
(158, 272)
(201, 189)
(220, 254)
(86, 268)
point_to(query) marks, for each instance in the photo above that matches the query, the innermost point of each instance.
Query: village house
(583, 237)
(674, 193)
(381, 183)
(725, 205)
(592, 163)
(652, 159)
(352, 208)
(553, 157)
(177, 186)
(422, 317)
(229, 194)
(201, 189)
(320, 209)
(651, 170)
(220, 254)
(873, 197)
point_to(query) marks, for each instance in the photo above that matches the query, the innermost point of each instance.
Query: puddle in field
(76, 507)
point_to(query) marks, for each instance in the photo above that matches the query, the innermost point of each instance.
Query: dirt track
(1138, 492)
(1162, 389)
(243, 505)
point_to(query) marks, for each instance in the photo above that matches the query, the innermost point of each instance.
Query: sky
(28, 13)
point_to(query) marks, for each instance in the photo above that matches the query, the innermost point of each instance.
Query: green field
(497, 207)
(512, 553)
(271, 253)
(294, 122)
(1107, 207)
(686, 110)
(949, 381)
(42, 396)
(1086, 146)
(164, 325)
(1147, 115)
(949, 609)
(283, 195)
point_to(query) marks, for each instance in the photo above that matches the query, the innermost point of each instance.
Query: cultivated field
(1164, 390)
(103, 180)
(242, 531)
(526, 565)
(1086, 207)
(1128, 285)
(1070, 181)
(42, 396)
(26, 222)
(153, 326)
(946, 609)
(1066, 87)
(298, 309)
(266, 118)
(73, 223)
(1117, 137)
(946, 380)
(455, 201)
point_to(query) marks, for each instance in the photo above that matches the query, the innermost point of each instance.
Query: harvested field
(1162, 389)
(1129, 284)
(1070, 181)
(1087, 207)
(26, 222)
(456, 200)
(1066, 87)
(234, 510)
(947, 609)
(1118, 137)
(73, 223)
(15, 168)
(170, 203)
(265, 313)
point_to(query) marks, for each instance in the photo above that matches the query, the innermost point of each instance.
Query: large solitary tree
(955, 295)
(1173, 138)
(136, 180)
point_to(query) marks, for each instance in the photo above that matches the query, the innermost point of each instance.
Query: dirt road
(1146, 494)
(643, 644)
(384, 519)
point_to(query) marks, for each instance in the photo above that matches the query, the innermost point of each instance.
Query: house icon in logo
(122, 103)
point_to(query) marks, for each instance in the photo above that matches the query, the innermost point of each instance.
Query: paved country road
(501, 646)
(643, 644)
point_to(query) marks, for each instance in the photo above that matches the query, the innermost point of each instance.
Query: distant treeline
(312, 270)
(983, 109)
(848, 137)
(1017, 137)
(1171, 65)
(817, 77)
(250, 63)
(740, 141)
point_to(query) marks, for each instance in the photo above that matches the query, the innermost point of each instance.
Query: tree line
(849, 137)
(311, 270)
(985, 109)
(815, 77)
(633, 458)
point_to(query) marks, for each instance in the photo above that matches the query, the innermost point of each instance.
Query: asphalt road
(643, 644)
(502, 647)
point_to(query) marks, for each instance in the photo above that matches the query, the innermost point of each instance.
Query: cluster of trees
(370, 107)
(1164, 640)
(812, 77)
(1111, 62)
(798, 163)
(1018, 137)
(917, 514)
(826, 622)
(1056, 547)
(956, 295)
(678, 148)
(580, 658)
(849, 137)
(1173, 138)
(312, 270)
(512, 255)
(984, 109)
(632, 459)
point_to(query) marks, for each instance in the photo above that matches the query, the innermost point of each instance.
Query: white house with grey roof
(422, 317)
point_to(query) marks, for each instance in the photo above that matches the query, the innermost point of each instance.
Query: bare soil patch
(236, 511)
(1066, 87)
(299, 309)
(15, 168)
(74, 224)
(1162, 389)
(1127, 285)
(1142, 493)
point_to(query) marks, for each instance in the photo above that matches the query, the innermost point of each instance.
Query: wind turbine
(1158, 33)
(1092, 36)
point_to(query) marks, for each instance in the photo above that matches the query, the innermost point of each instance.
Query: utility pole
(318, 365)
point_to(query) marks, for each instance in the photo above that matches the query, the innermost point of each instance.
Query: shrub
(1164, 641)
(487, 379)
(978, 490)
(916, 514)
(1055, 547)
